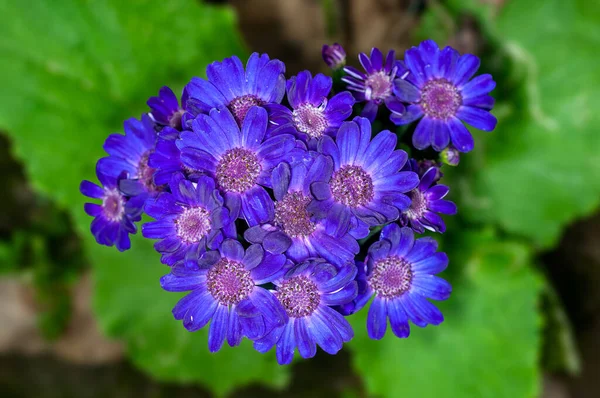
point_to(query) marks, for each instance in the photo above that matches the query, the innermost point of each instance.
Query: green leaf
(71, 79)
(72, 71)
(540, 169)
(132, 305)
(559, 352)
(486, 347)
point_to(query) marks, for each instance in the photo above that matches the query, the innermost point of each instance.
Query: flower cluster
(280, 210)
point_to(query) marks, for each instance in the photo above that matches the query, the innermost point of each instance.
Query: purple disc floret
(224, 289)
(440, 92)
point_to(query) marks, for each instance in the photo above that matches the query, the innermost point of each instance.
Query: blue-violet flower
(240, 161)
(401, 277)
(188, 220)
(307, 293)
(366, 187)
(375, 85)
(225, 291)
(294, 229)
(438, 89)
(312, 114)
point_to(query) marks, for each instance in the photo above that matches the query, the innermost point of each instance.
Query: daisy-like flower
(165, 109)
(240, 161)
(427, 200)
(400, 273)
(307, 293)
(312, 114)
(189, 220)
(225, 291)
(334, 55)
(128, 159)
(375, 86)
(113, 219)
(294, 229)
(229, 85)
(367, 186)
(439, 90)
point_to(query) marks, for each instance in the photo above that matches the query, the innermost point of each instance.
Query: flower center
(391, 277)
(193, 224)
(418, 204)
(378, 86)
(291, 214)
(311, 120)
(299, 296)
(229, 282)
(238, 170)
(175, 119)
(113, 204)
(145, 173)
(240, 106)
(352, 186)
(440, 99)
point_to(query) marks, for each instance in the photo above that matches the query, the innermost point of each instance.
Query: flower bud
(450, 156)
(334, 56)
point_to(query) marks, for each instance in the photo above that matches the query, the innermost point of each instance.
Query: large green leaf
(71, 72)
(540, 169)
(486, 347)
(73, 76)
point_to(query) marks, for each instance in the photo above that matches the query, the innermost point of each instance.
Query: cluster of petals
(263, 191)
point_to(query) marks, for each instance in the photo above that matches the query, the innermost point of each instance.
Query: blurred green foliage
(488, 344)
(71, 78)
(540, 169)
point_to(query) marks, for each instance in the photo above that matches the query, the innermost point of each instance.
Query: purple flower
(366, 187)
(188, 220)
(334, 55)
(375, 87)
(400, 275)
(427, 199)
(240, 161)
(128, 159)
(165, 109)
(294, 229)
(307, 293)
(225, 291)
(312, 114)
(166, 158)
(113, 219)
(228, 85)
(438, 90)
